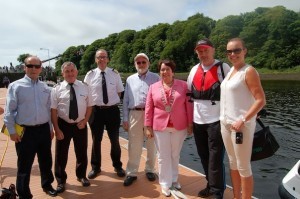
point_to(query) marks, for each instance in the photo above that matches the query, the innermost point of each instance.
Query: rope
(2, 158)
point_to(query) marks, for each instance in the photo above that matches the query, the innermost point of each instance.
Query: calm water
(283, 106)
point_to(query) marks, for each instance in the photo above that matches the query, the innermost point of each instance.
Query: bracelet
(243, 119)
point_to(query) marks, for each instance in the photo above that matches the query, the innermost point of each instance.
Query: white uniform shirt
(204, 111)
(113, 82)
(60, 99)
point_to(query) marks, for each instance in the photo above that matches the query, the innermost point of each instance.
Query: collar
(31, 80)
(65, 83)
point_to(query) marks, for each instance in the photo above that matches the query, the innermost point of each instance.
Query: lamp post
(48, 53)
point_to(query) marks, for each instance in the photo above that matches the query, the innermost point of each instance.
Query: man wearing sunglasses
(204, 83)
(28, 104)
(134, 101)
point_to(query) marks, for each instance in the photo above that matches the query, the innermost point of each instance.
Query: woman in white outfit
(242, 97)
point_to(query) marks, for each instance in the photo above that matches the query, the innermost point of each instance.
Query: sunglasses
(37, 66)
(234, 51)
(141, 62)
(102, 57)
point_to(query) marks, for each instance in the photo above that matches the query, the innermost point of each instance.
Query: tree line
(271, 36)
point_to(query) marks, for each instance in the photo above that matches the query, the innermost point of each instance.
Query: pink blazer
(181, 113)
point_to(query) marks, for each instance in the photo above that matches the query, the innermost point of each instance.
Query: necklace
(168, 84)
(167, 103)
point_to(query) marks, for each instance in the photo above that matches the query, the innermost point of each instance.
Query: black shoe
(129, 180)
(204, 193)
(50, 191)
(151, 176)
(84, 181)
(61, 188)
(93, 174)
(120, 172)
(217, 195)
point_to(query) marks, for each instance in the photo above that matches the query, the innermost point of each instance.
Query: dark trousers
(109, 118)
(36, 140)
(211, 150)
(80, 141)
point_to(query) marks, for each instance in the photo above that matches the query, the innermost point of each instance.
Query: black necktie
(73, 110)
(104, 89)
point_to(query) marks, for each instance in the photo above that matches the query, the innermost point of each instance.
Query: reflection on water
(283, 106)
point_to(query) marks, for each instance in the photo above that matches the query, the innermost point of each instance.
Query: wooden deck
(107, 185)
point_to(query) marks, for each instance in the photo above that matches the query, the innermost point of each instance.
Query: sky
(48, 28)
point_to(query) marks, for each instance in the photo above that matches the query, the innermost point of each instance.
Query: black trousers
(109, 118)
(80, 141)
(211, 150)
(36, 140)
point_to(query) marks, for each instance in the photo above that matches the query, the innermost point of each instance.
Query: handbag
(264, 143)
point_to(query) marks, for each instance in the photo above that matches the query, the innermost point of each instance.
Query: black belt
(33, 126)
(137, 109)
(106, 107)
(67, 123)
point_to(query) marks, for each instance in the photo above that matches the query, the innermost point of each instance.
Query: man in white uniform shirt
(68, 126)
(106, 86)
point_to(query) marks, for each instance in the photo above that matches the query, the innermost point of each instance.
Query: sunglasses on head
(234, 51)
(37, 66)
(141, 62)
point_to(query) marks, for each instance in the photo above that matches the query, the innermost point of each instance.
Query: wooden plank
(107, 184)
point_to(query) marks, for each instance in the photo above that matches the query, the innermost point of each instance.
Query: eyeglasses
(141, 62)
(37, 66)
(236, 51)
(102, 57)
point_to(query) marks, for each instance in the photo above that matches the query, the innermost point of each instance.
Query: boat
(290, 185)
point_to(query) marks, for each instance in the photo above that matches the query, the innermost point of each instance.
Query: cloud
(27, 26)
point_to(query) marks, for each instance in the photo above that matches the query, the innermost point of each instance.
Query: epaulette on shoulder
(57, 84)
(85, 83)
(114, 70)
(90, 71)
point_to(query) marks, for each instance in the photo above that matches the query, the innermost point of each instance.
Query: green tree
(22, 57)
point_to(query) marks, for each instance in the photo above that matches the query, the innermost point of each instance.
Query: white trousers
(169, 143)
(136, 137)
(239, 155)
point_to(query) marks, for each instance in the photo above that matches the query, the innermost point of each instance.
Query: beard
(141, 71)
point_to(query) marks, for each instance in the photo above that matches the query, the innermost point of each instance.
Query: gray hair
(102, 51)
(68, 63)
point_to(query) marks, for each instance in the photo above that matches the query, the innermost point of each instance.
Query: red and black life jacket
(206, 85)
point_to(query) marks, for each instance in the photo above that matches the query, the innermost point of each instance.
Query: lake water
(283, 106)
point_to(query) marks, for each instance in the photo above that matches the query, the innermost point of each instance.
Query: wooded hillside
(272, 36)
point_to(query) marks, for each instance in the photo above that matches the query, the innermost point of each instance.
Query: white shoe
(176, 185)
(166, 191)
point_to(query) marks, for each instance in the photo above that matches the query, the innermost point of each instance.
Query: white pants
(169, 143)
(136, 136)
(239, 155)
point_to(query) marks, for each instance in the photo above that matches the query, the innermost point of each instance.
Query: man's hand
(82, 124)
(59, 134)
(125, 126)
(15, 137)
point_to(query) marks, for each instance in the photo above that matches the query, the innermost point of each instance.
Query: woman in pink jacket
(168, 118)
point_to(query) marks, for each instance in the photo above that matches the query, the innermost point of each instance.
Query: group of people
(215, 104)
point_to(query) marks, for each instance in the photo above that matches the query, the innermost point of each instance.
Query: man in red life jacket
(204, 83)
